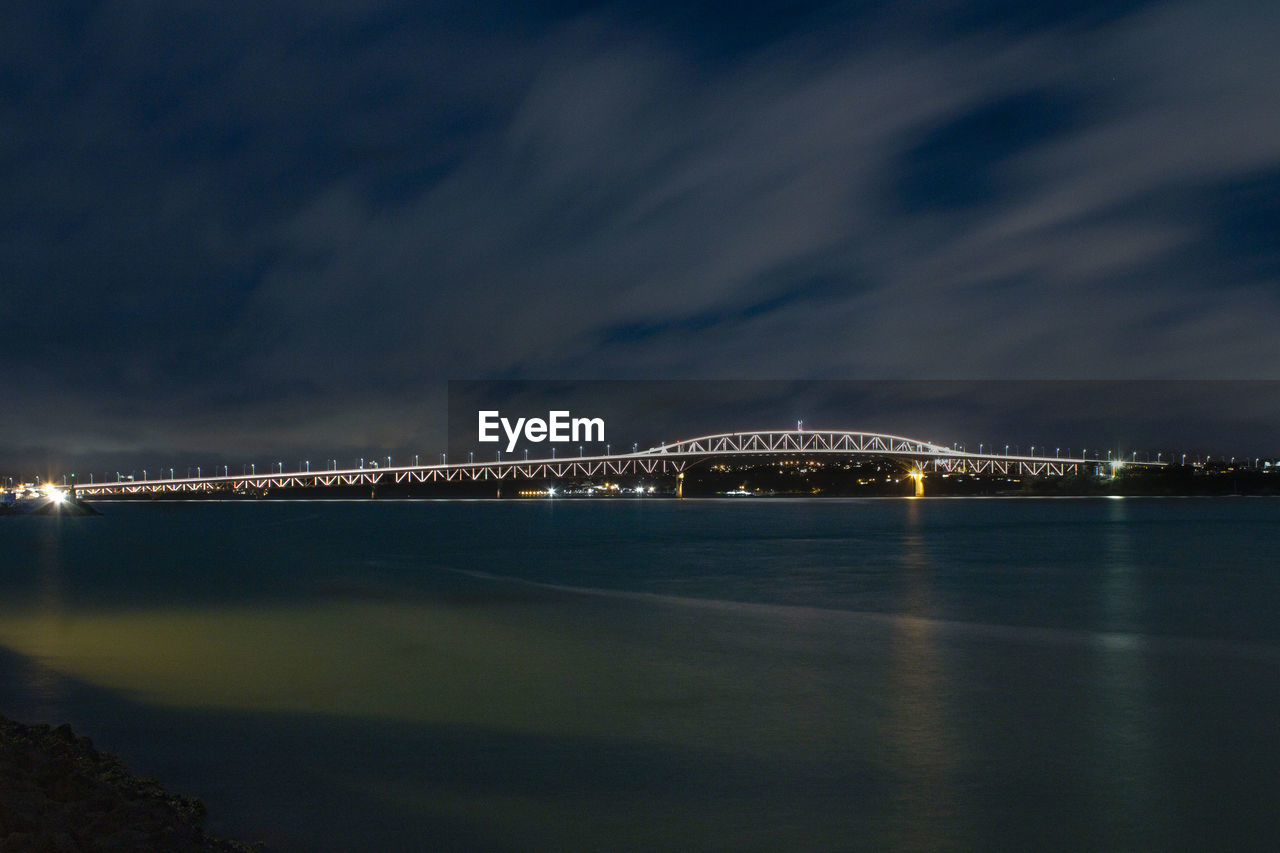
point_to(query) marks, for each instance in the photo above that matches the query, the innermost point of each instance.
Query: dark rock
(59, 793)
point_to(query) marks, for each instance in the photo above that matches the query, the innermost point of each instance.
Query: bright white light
(56, 495)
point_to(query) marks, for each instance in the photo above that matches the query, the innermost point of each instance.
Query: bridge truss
(918, 456)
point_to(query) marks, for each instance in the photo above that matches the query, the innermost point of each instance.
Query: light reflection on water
(1128, 783)
(659, 669)
(42, 683)
(910, 675)
(923, 750)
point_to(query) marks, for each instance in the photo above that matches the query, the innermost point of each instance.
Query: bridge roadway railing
(666, 459)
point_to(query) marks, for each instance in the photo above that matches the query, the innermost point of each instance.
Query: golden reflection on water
(656, 672)
(427, 663)
(923, 751)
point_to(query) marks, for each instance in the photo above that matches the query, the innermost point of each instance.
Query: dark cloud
(283, 226)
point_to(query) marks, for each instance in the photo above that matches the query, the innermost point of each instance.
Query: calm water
(933, 674)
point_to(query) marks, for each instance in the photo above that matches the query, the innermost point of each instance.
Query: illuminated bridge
(916, 457)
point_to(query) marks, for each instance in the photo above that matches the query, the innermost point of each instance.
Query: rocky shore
(58, 793)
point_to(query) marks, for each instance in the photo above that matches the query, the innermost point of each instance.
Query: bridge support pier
(918, 476)
(680, 485)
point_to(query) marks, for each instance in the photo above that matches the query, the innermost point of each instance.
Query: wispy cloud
(296, 214)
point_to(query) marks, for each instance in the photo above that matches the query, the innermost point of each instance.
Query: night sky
(235, 231)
